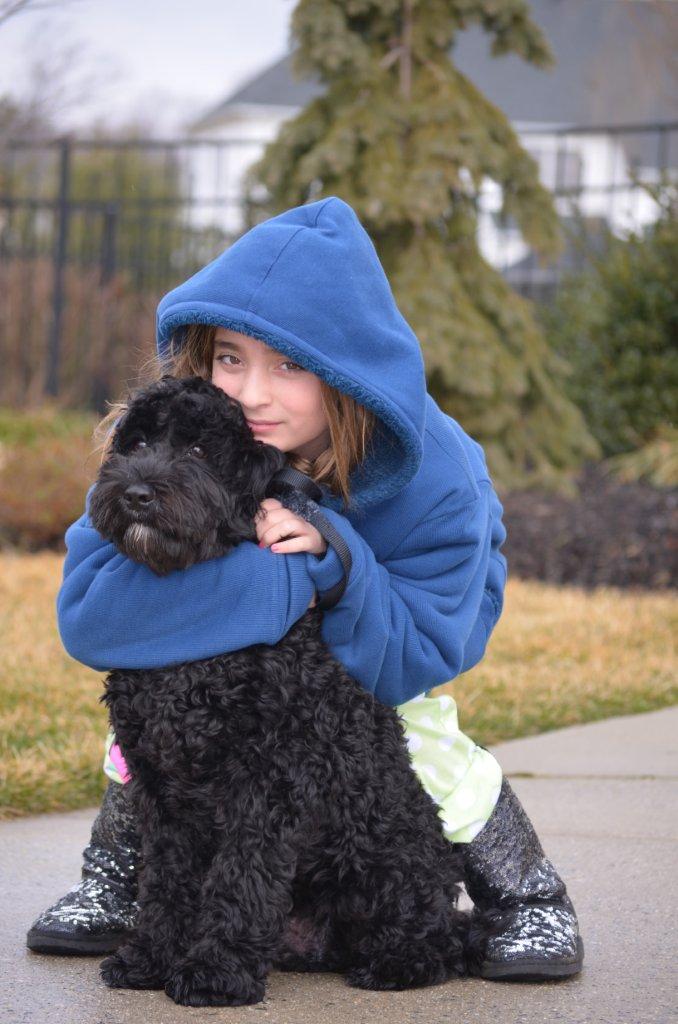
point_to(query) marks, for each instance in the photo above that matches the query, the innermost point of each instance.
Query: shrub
(107, 333)
(32, 426)
(617, 325)
(46, 466)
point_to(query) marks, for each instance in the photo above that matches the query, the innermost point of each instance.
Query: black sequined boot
(524, 927)
(98, 913)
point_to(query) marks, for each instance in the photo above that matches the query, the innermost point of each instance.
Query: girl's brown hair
(351, 425)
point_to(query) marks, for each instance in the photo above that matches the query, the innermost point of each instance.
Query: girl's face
(281, 401)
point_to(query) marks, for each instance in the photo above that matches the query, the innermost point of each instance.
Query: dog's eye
(197, 451)
(137, 445)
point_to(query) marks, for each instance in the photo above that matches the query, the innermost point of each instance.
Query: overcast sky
(159, 58)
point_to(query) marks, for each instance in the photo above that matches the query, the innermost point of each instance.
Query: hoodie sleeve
(425, 614)
(400, 628)
(113, 612)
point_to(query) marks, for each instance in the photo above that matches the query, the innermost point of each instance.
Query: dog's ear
(116, 431)
(264, 462)
(143, 402)
(257, 465)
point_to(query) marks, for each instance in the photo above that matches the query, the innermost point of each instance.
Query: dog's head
(184, 477)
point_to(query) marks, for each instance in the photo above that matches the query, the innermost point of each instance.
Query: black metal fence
(93, 232)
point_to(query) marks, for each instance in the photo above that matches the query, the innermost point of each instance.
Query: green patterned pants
(463, 778)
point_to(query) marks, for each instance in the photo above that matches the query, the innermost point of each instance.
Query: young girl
(297, 322)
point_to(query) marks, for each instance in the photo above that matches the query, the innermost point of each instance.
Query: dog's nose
(139, 496)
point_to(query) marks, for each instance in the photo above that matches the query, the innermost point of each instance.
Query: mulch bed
(615, 534)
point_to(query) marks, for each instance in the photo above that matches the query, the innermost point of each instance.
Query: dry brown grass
(562, 655)
(52, 727)
(558, 656)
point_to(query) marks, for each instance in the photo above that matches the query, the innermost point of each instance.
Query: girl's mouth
(261, 426)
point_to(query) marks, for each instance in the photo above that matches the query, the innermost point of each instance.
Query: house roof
(613, 66)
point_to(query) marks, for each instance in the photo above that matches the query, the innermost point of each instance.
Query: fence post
(60, 250)
(108, 242)
(100, 385)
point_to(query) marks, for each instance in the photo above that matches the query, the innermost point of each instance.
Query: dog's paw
(198, 984)
(128, 969)
(394, 977)
(365, 977)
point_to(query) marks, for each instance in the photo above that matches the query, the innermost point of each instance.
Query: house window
(559, 168)
(568, 170)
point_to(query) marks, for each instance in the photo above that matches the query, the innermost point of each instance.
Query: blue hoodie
(427, 582)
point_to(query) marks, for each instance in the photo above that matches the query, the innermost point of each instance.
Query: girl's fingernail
(275, 547)
(261, 544)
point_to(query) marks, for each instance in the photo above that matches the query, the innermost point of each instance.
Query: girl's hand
(273, 522)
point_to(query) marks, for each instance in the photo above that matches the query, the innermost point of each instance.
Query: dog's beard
(158, 542)
(161, 551)
(144, 543)
(141, 538)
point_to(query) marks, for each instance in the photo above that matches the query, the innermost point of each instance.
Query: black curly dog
(281, 821)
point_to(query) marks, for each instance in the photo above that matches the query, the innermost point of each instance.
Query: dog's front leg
(245, 904)
(169, 883)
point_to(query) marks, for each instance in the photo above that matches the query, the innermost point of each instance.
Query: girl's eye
(228, 355)
(197, 451)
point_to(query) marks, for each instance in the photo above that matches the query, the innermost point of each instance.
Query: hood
(309, 283)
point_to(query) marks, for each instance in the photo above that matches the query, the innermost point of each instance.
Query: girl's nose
(255, 389)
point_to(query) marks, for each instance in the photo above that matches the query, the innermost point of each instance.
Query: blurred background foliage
(407, 139)
(616, 325)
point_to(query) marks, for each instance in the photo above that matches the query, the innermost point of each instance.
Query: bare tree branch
(10, 8)
(57, 79)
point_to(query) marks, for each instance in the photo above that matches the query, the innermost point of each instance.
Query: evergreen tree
(406, 139)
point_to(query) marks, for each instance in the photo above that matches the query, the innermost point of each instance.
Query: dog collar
(298, 481)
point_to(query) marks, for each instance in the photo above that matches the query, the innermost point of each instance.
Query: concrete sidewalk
(604, 800)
